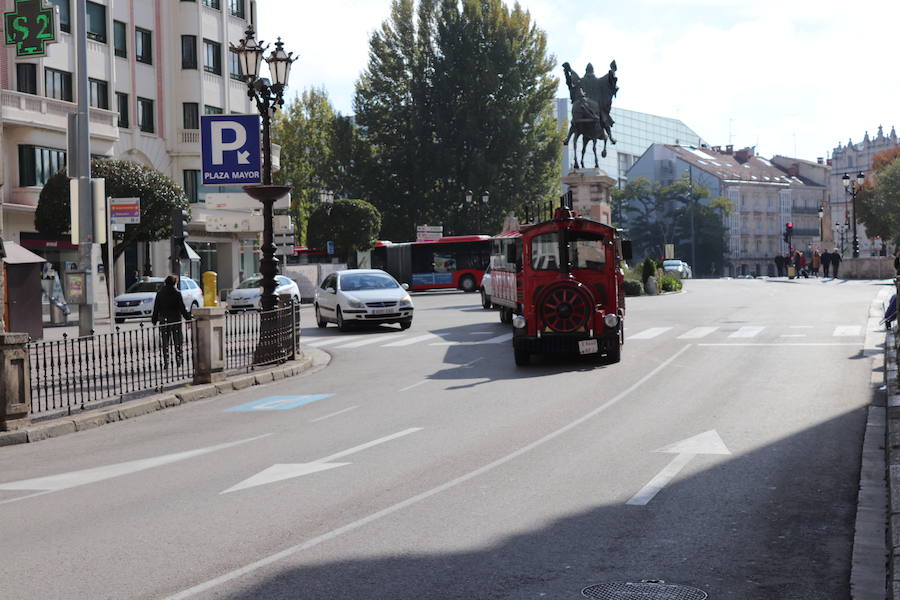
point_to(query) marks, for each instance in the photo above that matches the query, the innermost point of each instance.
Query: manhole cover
(642, 591)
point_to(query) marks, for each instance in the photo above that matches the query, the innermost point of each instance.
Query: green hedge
(633, 287)
(669, 284)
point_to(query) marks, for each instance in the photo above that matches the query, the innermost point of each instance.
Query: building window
(145, 115)
(98, 92)
(191, 115)
(236, 7)
(213, 4)
(26, 78)
(122, 104)
(38, 164)
(58, 84)
(65, 22)
(213, 53)
(120, 38)
(212, 110)
(143, 46)
(234, 65)
(189, 52)
(96, 22)
(192, 184)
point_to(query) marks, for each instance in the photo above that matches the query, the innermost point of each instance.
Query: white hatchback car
(248, 294)
(139, 298)
(486, 289)
(362, 296)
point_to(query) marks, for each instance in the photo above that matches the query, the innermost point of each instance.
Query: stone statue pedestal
(591, 193)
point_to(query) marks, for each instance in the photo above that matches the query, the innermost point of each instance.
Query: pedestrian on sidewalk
(836, 260)
(779, 264)
(826, 262)
(816, 262)
(168, 309)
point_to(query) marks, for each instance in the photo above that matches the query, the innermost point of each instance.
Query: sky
(790, 77)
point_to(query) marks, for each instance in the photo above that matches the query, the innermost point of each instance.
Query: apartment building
(155, 66)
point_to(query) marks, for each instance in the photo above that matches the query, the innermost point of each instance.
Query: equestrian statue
(591, 98)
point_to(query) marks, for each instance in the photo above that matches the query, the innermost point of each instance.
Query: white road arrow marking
(55, 483)
(704, 443)
(280, 472)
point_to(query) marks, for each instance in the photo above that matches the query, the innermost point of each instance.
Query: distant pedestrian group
(795, 263)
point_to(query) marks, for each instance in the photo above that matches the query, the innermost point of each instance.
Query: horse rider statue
(591, 98)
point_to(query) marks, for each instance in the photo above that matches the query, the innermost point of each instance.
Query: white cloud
(780, 73)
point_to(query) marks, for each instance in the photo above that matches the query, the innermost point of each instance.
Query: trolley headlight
(611, 320)
(518, 322)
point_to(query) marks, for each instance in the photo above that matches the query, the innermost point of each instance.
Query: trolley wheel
(522, 356)
(506, 315)
(614, 355)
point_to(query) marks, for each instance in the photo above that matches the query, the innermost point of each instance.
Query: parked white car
(486, 289)
(138, 300)
(678, 266)
(362, 296)
(248, 293)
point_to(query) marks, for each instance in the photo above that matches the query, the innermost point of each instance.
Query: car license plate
(587, 347)
(382, 311)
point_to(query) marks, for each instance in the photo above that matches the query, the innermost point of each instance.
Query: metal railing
(77, 373)
(255, 339)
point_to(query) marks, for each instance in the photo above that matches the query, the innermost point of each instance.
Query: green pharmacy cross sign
(30, 27)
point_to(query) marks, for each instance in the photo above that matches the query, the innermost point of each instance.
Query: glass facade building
(634, 133)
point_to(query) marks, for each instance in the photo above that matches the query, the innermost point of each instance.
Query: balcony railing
(42, 107)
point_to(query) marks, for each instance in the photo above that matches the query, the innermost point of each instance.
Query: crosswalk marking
(697, 333)
(369, 339)
(326, 341)
(846, 330)
(747, 332)
(649, 333)
(498, 340)
(410, 341)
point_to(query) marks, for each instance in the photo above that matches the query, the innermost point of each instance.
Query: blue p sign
(230, 147)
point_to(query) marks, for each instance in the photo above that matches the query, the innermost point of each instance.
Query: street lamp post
(853, 189)
(821, 229)
(269, 97)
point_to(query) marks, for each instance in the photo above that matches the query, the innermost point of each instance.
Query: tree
(304, 129)
(124, 179)
(351, 224)
(878, 203)
(457, 96)
(681, 214)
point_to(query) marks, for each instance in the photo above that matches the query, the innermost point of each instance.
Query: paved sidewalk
(311, 360)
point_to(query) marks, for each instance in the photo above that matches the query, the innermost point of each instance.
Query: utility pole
(693, 207)
(80, 142)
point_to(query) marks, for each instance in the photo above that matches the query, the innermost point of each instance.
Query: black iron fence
(255, 339)
(95, 370)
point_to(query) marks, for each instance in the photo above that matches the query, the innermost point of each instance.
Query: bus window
(545, 252)
(444, 262)
(587, 251)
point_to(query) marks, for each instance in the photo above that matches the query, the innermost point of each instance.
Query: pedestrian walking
(779, 264)
(826, 262)
(816, 262)
(836, 261)
(168, 309)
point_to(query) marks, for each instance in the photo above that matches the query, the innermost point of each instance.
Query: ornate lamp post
(269, 97)
(821, 230)
(853, 189)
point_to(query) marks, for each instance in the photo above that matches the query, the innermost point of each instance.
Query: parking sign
(230, 146)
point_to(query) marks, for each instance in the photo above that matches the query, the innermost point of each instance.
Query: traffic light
(180, 219)
(788, 232)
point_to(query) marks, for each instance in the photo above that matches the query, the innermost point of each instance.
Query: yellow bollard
(210, 288)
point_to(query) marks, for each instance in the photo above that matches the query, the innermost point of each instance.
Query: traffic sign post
(230, 149)
(429, 232)
(30, 27)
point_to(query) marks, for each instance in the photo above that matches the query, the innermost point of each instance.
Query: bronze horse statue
(591, 98)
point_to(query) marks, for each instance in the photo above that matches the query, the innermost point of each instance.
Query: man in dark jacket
(826, 262)
(168, 308)
(836, 260)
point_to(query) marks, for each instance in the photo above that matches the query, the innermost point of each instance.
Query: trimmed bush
(648, 268)
(633, 287)
(669, 284)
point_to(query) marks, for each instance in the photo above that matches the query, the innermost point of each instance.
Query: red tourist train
(561, 286)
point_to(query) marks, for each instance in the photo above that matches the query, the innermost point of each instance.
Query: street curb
(312, 360)
(892, 456)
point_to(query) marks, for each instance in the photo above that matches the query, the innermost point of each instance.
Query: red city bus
(559, 283)
(455, 262)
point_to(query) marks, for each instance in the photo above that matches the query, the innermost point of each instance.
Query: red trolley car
(560, 284)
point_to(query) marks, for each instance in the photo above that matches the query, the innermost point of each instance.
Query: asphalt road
(722, 453)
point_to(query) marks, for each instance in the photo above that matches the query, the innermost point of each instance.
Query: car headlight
(611, 320)
(406, 301)
(354, 303)
(147, 301)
